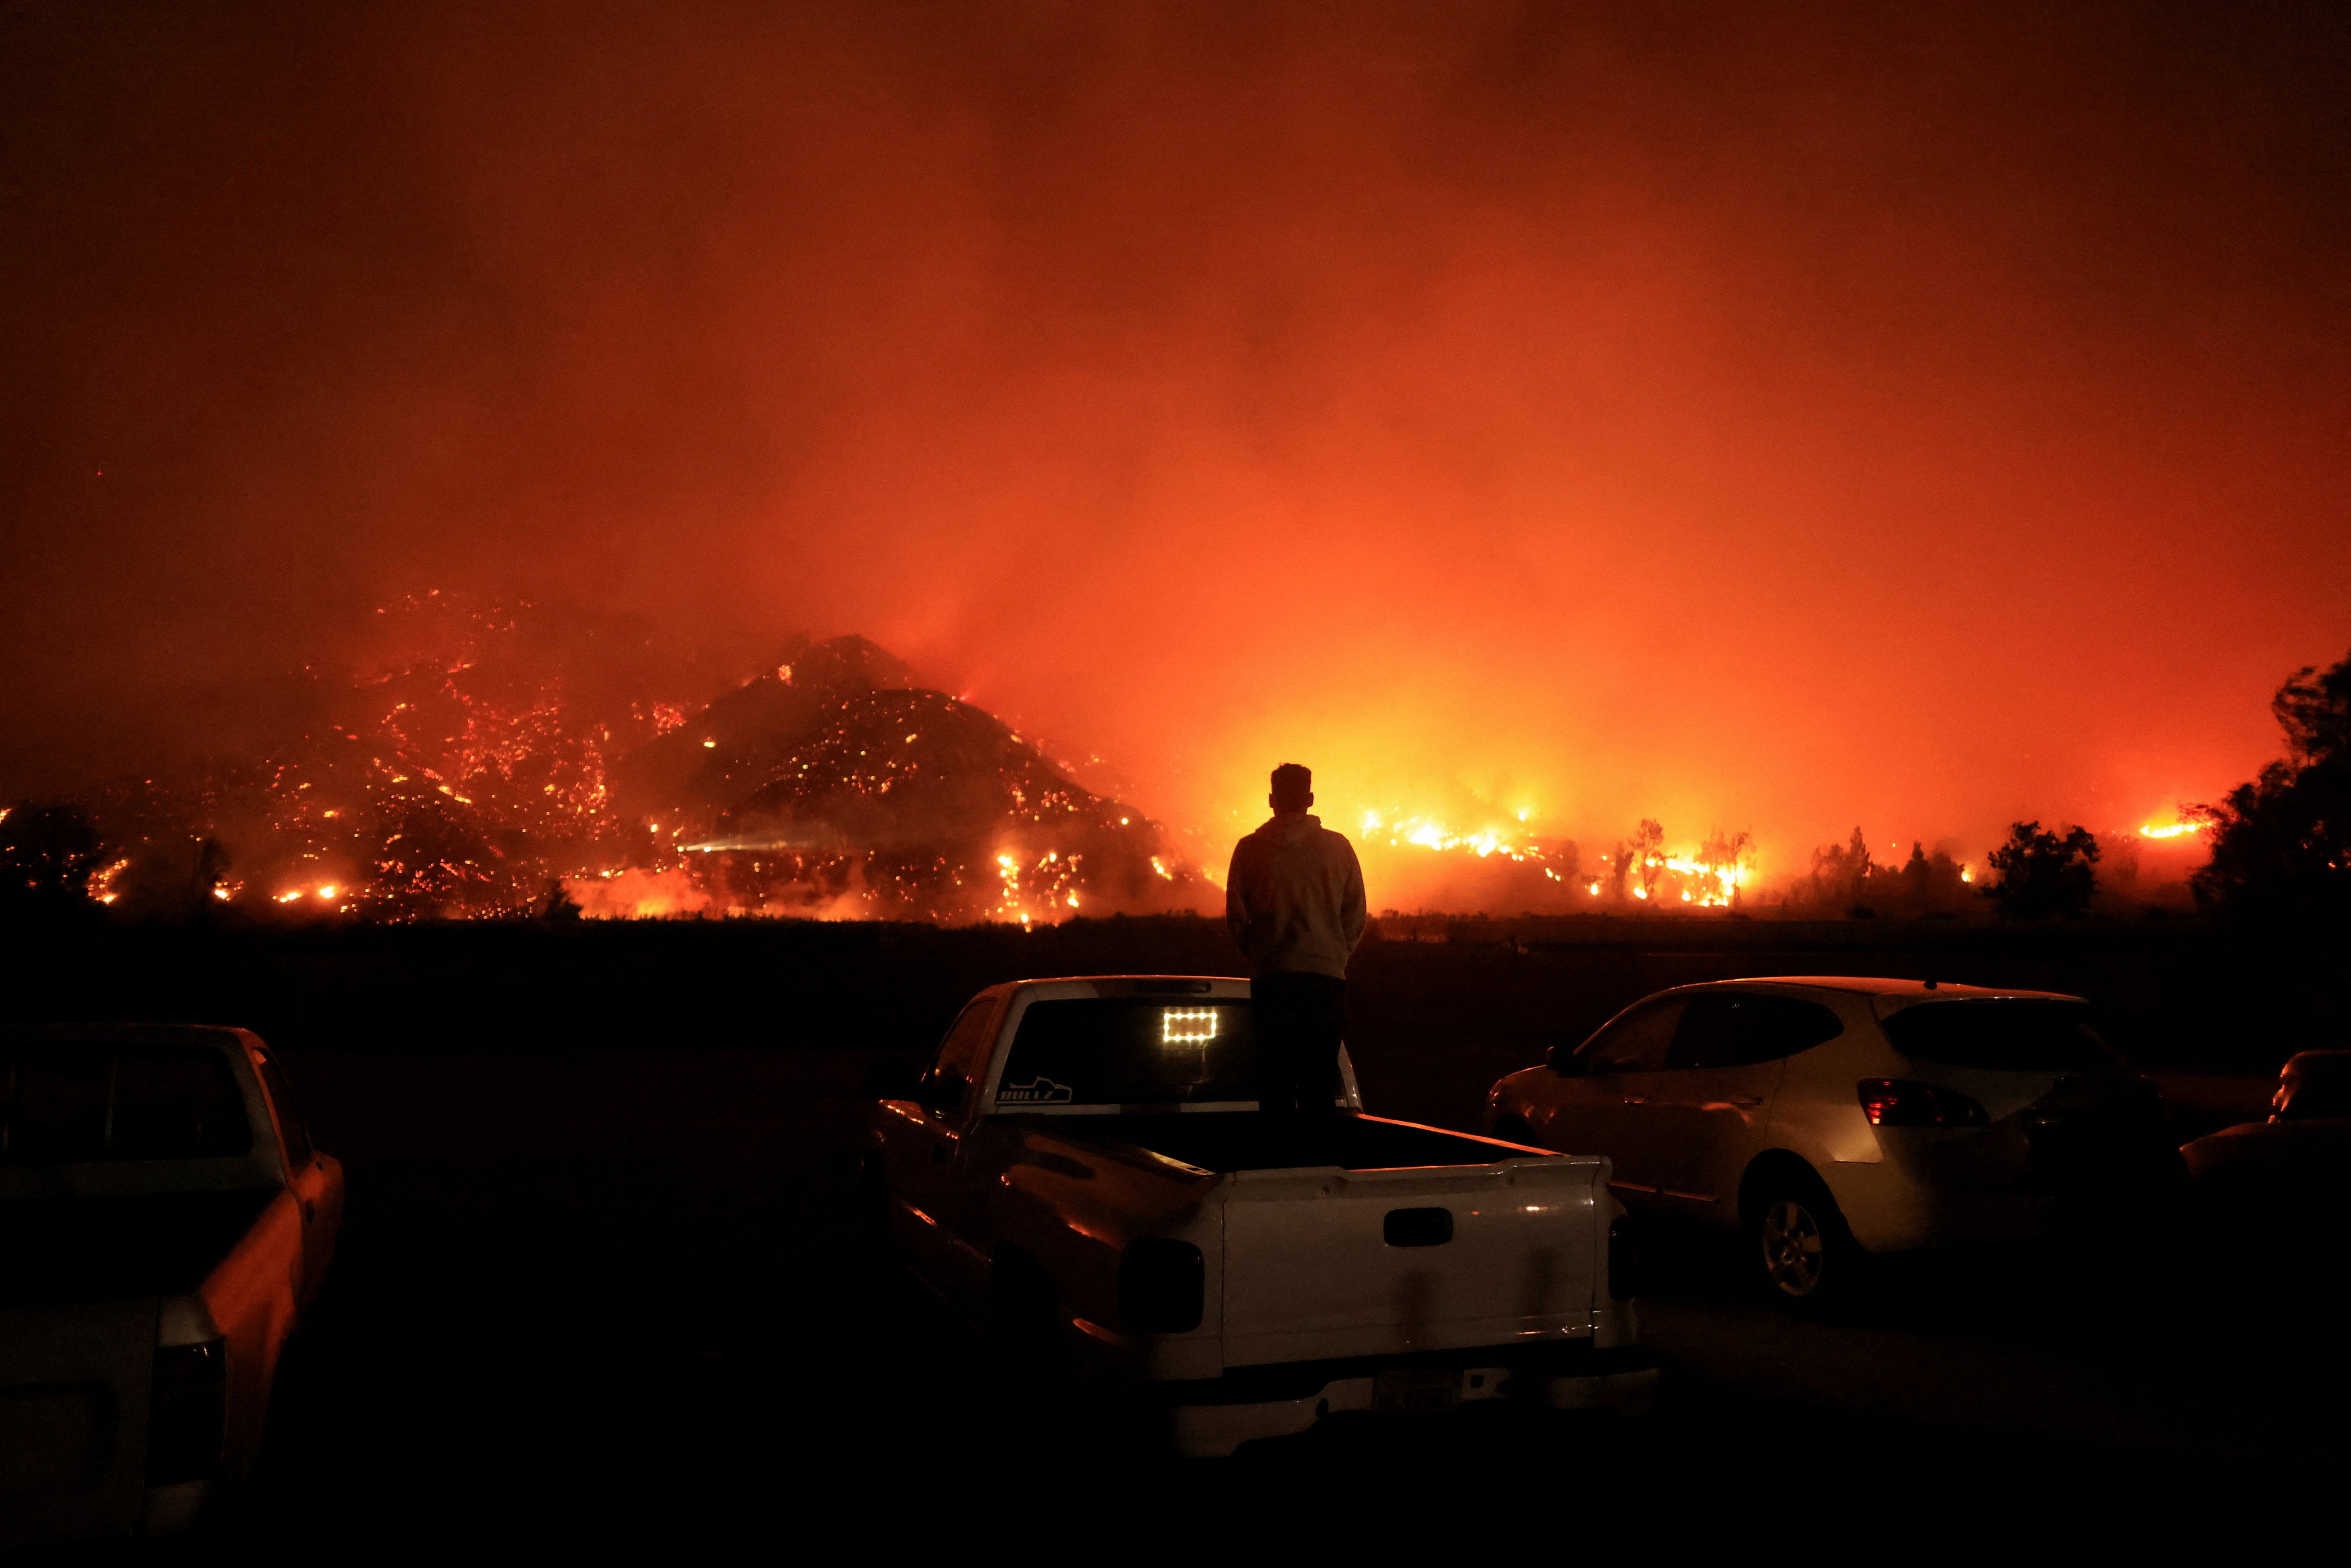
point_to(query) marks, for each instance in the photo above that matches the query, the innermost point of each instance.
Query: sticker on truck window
(1042, 1092)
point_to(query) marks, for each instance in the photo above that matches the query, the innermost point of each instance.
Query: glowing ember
(102, 882)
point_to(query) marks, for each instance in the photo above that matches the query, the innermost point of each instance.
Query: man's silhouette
(1294, 902)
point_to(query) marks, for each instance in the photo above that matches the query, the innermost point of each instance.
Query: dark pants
(1299, 1020)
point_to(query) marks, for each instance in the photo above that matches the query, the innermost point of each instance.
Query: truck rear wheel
(1022, 1317)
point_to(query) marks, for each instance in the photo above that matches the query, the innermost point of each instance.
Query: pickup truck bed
(1084, 1170)
(158, 1244)
(1229, 1141)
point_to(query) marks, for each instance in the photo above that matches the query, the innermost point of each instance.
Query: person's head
(1293, 787)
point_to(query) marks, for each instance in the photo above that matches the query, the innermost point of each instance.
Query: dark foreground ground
(595, 1288)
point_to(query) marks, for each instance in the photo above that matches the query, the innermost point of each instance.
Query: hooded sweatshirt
(1294, 898)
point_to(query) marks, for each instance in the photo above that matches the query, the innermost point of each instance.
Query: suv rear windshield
(1117, 1050)
(2014, 1036)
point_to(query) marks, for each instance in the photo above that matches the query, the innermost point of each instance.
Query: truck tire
(849, 1186)
(1810, 1261)
(1023, 1316)
(869, 1211)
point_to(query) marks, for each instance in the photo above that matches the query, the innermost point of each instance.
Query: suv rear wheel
(1809, 1257)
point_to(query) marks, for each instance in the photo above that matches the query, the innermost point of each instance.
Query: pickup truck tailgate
(73, 1419)
(1328, 1263)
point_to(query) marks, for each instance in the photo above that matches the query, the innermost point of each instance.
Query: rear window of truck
(71, 1104)
(2012, 1036)
(1119, 1050)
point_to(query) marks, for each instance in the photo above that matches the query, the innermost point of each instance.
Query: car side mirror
(943, 1091)
(893, 1078)
(1561, 1059)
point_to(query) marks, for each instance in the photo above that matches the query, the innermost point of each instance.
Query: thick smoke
(1742, 419)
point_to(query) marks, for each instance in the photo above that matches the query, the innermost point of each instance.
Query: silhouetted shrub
(2039, 874)
(2281, 843)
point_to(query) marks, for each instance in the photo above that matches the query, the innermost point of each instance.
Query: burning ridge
(504, 759)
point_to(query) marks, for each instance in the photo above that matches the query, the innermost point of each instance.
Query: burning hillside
(503, 759)
(832, 782)
(495, 758)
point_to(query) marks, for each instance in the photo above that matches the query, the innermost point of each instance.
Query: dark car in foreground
(2291, 1172)
(165, 1221)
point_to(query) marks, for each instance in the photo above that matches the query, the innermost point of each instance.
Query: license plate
(1421, 1388)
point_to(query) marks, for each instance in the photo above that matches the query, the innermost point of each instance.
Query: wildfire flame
(461, 780)
(1425, 832)
(1711, 875)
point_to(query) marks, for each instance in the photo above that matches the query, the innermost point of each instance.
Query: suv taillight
(1162, 1286)
(187, 1412)
(1902, 1103)
(1624, 1259)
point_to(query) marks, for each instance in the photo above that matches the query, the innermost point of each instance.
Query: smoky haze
(1730, 418)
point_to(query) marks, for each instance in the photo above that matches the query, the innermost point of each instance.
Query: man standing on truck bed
(1294, 902)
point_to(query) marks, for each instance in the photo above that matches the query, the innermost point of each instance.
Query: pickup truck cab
(164, 1219)
(1083, 1170)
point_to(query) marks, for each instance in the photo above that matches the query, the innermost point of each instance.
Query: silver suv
(1833, 1117)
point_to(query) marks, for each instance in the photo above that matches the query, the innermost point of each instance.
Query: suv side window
(1735, 1028)
(963, 1055)
(1634, 1043)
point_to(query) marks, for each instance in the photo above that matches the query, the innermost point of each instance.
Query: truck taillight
(1162, 1286)
(1900, 1102)
(187, 1412)
(1624, 1259)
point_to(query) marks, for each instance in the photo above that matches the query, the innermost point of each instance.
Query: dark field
(595, 1280)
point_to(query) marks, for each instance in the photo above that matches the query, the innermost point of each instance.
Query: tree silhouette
(1924, 884)
(2281, 843)
(1648, 840)
(2039, 874)
(1840, 877)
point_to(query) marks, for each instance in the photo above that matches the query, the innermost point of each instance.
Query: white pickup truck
(1084, 1171)
(162, 1221)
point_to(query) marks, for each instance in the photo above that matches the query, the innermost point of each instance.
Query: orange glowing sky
(1750, 420)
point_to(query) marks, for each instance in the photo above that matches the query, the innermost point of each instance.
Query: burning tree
(1633, 869)
(2282, 842)
(1709, 877)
